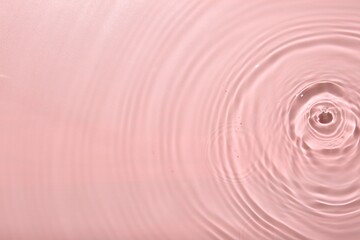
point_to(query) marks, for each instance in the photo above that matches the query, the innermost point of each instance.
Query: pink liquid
(179, 120)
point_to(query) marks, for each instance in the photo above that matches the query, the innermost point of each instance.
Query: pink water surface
(179, 120)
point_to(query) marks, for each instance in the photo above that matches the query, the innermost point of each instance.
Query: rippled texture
(124, 120)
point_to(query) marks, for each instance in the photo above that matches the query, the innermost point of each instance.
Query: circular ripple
(180, 119)
(231, 144)
(323, 122)
(297, 95)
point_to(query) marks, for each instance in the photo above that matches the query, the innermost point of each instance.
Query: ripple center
(325, 117)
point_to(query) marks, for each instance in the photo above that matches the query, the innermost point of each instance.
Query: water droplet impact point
(325, 117)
